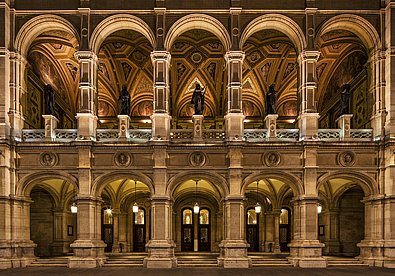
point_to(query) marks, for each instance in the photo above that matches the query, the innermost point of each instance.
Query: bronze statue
(124, 101)
(49, 100)
(271, 100)
(345, 99)
(198, 99)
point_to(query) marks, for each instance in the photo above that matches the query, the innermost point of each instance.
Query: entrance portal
(187, 236)
(204, 230)
(252, 230)
(139, 231)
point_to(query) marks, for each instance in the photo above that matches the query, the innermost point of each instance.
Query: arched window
(284, 216)
(251, 217)
(187, 216)
(107, 216)
(204, 216)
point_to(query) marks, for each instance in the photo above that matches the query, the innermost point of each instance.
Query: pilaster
(161, 118)
(308, 116)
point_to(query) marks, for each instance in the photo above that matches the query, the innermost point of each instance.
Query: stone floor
(42, 271)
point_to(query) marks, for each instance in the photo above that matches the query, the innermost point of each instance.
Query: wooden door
(285, 230)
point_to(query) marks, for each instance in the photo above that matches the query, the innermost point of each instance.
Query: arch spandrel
(119, 22)
(198, 21)
(39, 25)
(357, 25)
(277, 22)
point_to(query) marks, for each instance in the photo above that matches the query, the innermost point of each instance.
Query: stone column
(124, 121)
(372, 246)
(161, 118)
(276, 230)
(306, 250)
(308, 116)
(88, 248)
(233, 249)
(17, 88)
(269, 241)
(377, 92)
(161, 246)
(344, 123)
(331, 218)
(115, 218)
(234, 119)
(60, 243)
(50, 123)
(87, 119)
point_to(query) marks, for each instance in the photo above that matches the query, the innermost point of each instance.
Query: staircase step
(272, 265)
(196, 265)
(47, 265)
(122, 265)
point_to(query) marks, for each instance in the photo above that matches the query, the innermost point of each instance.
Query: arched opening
(51, 79)
(125, 215)
(53, 225)
(344, 79)
(268, 215)
(197, 57)
(124, 63)
(197, 222)
(342, 219)
(271, 59)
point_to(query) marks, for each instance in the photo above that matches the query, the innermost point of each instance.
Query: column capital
(80, 55)
(160, 55)
(234, 55)
(309, 55)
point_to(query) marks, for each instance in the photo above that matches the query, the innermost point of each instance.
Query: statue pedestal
(197, 128)
(123, 127)
(344, 123)
(51, 123)
(271, 126)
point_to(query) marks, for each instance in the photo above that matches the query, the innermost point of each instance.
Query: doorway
(107, 229)
(139, 231)
(285, 230)
(187, 236)
(204, 230)
(252, 230)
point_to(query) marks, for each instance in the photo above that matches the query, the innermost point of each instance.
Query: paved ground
(41, 271)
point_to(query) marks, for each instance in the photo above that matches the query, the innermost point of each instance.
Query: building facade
(314, 178)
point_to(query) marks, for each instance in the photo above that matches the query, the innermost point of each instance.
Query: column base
(307, 254)
(16, 254)
(234, 254)
(234, 126)
(308, 126)
(87, 254)
(372, 253)
(160, 126)
(160, 254)
(87, 124)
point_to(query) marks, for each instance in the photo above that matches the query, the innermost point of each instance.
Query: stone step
(272, 265)
(196, 265)
(347, 264)
(125, 261)
(122, 265)
(197, 262)
(47, 265)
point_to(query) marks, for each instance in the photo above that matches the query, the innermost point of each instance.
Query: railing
(329, 134)
(33, 135)
(65, 135)
(107, 135)
(362, 134)
(291, 134)
(140, 135)
(214, 135)
(181, 134)
(255, 135)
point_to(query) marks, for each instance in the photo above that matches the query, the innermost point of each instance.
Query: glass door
(252, 230)
(187, 230)
(139, 231)
(204, 230)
